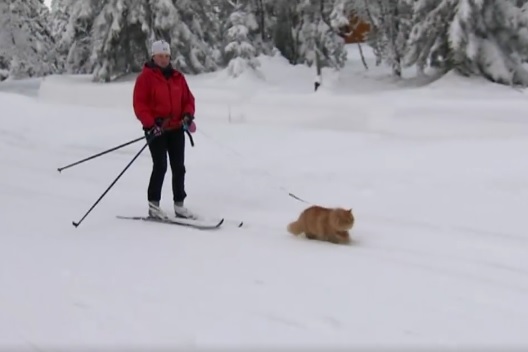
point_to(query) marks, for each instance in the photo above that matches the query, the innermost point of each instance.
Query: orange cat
(324, 224)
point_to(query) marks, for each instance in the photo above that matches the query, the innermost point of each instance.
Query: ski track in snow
(439, 254)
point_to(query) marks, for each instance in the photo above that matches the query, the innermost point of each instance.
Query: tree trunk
(260, 15)
(362, 56)
(319, 76)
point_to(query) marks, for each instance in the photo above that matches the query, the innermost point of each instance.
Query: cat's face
(345, 218)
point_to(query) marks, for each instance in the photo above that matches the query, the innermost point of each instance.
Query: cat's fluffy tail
(295, 228)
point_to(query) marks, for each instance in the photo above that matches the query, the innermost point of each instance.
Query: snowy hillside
(436, 176)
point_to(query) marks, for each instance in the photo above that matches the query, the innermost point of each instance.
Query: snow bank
(354, 99)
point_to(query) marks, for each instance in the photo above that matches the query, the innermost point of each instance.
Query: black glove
(187, 119)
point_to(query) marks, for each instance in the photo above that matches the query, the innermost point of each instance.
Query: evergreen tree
(285, 38)
(305, 35)
(110, 38)
(428, 43)
(196, 36)
(124, 30)
(392, 21)
(489, 38)
(338, 16)
(120, 38)
(72, 24)
(333, 17)
(239, 51)
(266, 17)
(26, 43)
(60, 16)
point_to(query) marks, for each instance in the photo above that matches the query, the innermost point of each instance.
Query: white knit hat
(160, 47)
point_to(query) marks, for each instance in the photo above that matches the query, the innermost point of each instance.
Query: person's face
(162, 60)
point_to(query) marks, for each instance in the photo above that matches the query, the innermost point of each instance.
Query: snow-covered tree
(283, 35)
(428, 43)
(124, 30)
(112, 37)
(120, 37)
(305, 35)
(338, 16)
(26, 43)
(196, 35)
(333, 16)
(266, 18)
(308, 30)
(60, 16)
(72, 23)
(392, 23)
(490, 38)
(239, 50)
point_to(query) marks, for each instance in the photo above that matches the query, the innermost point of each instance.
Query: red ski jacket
(157, 96)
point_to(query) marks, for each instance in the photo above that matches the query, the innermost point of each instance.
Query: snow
(435, 174)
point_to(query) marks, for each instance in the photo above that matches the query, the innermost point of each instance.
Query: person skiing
(164, 104)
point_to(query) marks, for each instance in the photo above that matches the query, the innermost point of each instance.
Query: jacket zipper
(170, 99)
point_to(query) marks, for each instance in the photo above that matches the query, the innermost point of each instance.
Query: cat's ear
(349, 210)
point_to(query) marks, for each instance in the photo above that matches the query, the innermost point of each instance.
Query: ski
(197, 224)
(235, 223)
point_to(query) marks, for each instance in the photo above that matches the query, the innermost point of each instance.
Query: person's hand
(187, 119)
(155, 131)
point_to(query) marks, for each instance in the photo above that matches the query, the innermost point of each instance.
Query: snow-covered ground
(436, 176)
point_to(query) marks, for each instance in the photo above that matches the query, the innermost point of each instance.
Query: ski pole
(99, 154)
(76, 224)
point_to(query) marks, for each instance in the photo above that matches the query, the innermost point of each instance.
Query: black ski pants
(171, 142)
